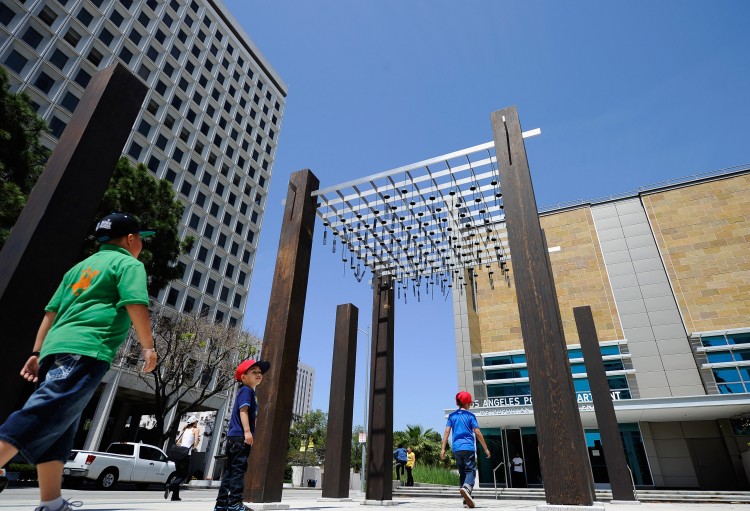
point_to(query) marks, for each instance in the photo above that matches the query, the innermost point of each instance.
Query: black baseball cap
(115, 225)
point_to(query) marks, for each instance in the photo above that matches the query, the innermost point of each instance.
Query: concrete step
(659, 495)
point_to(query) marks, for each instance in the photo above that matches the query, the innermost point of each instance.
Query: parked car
(123, 462)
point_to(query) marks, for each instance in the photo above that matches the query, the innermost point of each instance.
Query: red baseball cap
(247, 364)
(463, 398)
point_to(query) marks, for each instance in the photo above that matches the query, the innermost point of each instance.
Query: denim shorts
(44, 429)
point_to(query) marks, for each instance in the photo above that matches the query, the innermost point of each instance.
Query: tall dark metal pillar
(380, 443)
(341, 404)
(265, 476)
(47, 238)
(565, 466)
(614, 453)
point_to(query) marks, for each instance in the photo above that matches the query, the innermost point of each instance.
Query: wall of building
(702, 232)
(580, 279)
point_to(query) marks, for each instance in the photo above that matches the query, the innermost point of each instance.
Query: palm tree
(424, 442)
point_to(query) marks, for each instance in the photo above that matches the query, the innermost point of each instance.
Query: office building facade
(666, 272)
(209, 125)
(303, 390)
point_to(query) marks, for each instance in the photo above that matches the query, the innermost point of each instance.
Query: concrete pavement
(26, 499)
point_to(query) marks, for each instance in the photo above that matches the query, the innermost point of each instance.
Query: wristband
(34, 353)
(150, 349)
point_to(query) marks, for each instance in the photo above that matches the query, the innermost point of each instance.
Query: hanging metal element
(423, 224)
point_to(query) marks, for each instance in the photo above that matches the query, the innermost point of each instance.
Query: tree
(356, 462)
(22, 155)
(197, 360)
(313, 425)
(135, 190)
(425, 443)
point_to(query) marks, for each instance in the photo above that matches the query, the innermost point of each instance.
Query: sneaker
(166, 491)
(239, 506)
(67, 505)
(466, 494)
(220, 507)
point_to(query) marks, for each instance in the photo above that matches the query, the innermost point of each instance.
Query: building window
(69, 102)
(196, 278)
(47, 15)
(82, 78)
(172, 297)
(85, 17)
(56, 127)
(194, 221)
(95, 56)
(32, 37)
(202, 254)
(6, 15)
(16, 61)
(135, 151)
(44, 82)
(210, 287)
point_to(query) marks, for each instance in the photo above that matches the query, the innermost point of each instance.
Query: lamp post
(366, 399)
(303, 448)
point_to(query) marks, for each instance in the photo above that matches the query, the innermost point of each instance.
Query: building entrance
(507, 444)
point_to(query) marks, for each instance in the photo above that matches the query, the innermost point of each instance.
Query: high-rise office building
(209, 125)
(303, 390)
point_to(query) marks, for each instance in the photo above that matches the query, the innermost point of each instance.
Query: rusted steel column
(563, 457)
(341, 404)
(614, 452)
(265, 476)
(380, 424)
(47, 238)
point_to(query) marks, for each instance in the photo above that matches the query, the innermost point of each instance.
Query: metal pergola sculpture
(418, 229)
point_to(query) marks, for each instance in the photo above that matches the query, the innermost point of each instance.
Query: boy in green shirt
(84, 324)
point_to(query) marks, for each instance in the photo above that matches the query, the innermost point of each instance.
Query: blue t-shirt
(399, 454)
(462, 423)
(245, 397)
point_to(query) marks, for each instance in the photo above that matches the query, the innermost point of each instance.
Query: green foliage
(435, 475)
(313, 425)
(356, 462)
(22, 156)
(135, 190)
(26, 471)
(425, 443)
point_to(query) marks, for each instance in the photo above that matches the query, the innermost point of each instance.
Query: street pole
(366, 404)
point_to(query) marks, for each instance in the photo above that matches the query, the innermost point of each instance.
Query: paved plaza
(26, 499)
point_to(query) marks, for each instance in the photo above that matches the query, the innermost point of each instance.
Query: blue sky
(626, 94)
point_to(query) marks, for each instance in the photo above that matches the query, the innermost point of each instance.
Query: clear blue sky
(626, 94)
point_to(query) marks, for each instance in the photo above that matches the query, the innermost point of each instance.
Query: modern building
(303, 390)
(666, 272)
(210, 126)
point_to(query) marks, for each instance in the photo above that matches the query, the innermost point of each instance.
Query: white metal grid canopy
(422, 223)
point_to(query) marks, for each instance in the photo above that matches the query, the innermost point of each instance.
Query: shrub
(26, 472)
(434, 475)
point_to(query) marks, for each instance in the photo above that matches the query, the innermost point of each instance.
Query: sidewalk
(26, 499)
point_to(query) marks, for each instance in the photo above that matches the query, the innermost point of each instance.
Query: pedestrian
(240, 435)
(186, 443)
(519, 481)
(84, 324)
(410, 459)
(400, 456)
(464, 428)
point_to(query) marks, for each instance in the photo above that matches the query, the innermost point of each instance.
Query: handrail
(632, 481)
(494, 476)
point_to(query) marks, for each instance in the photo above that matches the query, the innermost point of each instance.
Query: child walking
(463, 424)
(84, 324)
(240, 435)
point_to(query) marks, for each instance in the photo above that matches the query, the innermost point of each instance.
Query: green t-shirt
(90, 304)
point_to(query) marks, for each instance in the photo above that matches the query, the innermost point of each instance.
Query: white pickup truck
(124, 461)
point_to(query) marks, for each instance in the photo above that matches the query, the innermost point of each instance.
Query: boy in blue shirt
(240, 435)
(464, 426)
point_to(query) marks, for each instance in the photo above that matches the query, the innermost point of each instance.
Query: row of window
(617, 384)
(580, 368)
(520, 358)
(192, 304)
